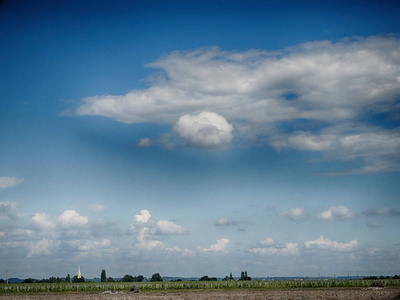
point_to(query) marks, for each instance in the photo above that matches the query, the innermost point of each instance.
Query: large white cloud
(6, 182)
(332, 87)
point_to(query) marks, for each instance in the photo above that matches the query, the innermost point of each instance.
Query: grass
(94, 287)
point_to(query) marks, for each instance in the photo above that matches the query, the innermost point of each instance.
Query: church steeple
(79, 273)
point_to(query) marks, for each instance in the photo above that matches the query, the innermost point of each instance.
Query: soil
(278, 294)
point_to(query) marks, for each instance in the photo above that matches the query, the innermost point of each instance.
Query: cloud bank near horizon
(340, 99)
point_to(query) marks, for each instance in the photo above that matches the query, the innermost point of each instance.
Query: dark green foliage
(139, 278)
(103, 276)
(244, 276)
(75, 279)
(28, 280)
(156, 277)
(127, 278)
(206, 278)
(68, 278)
(110, 279)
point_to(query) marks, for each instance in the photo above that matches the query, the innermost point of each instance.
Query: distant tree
(28, 280)
(110, 279)
(68, 278)
(1, 280)
(103, 276)
(204, 278)
(138, 278)
(244, 276)
(156, 277)
(75, 279)
(127, 278)
(396, 277)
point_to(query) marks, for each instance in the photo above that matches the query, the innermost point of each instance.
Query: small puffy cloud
(270, 249)
(219, 246)
(294, 214)
(374, 224)
(381, 211)
(266, 242)
(145, 142)
(43, 221)
(323, 243)
(6, 182)
(8, 210)
(70, 218)
(206, 130)
(168, 227)
(143, 217)
(338, 213)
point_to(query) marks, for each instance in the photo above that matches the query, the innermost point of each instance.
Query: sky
(195, 138)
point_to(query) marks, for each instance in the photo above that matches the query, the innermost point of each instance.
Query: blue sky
(197, 138)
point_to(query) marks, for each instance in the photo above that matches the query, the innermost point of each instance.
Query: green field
(94, 287)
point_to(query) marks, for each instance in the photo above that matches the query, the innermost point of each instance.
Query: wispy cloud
(6, 182)
(267, 246)
(335, 88)
(229, 222)
(381, 211)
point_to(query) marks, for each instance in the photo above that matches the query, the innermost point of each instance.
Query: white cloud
(6, 182)
(188, 253)
(145, 142)
(295, 213)
(323, 243)
(8, 210)
(333, 87)
(219, 246)
(168, 227)
(288, 249)
(147, 231)
(144, 216)
(206, 130)
(43, 221)
(43, 247)
(266, 242)
(336, 214)
(70, 218)
(93, 245)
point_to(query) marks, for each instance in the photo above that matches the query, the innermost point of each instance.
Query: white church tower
(79, 273)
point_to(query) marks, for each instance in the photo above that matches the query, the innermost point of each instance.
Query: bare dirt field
(279, 294)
